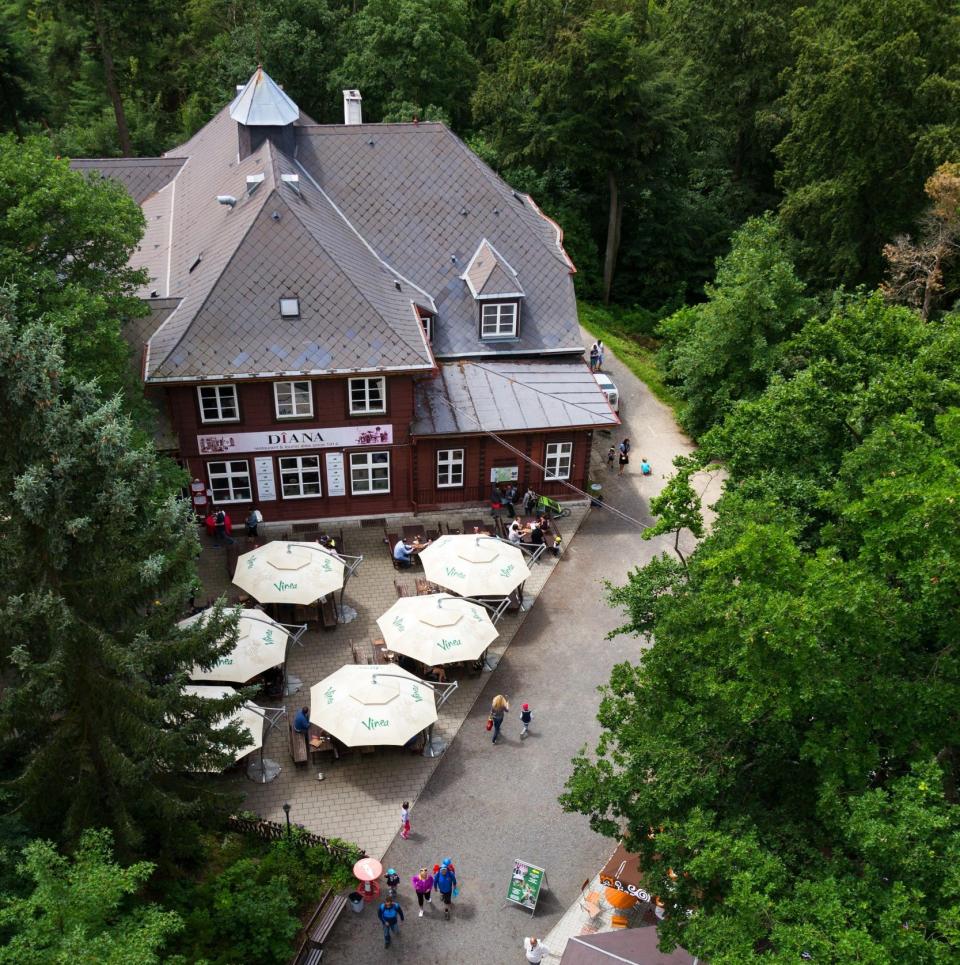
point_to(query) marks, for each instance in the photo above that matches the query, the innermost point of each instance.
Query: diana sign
(288, 439)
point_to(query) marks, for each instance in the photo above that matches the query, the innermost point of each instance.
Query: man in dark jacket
(390, 915)
(446, 881)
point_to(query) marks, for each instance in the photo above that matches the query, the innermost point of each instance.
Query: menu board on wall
(336, 480)
(266, 483)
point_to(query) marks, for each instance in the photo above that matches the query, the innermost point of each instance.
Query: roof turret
(262, 103)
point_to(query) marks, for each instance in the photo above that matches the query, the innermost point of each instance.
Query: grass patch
(636, 349)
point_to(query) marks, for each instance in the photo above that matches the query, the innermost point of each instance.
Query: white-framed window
(300, 476)
(498, 320)
(369, 472)
(558, 461)
(230, 481)
(449, 468)
(293, 400)
(367, 396)
(290, 307)
(427, 322)
(218, 403)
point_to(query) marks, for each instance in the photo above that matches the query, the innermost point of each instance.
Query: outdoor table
(320, 742)
(367, 871)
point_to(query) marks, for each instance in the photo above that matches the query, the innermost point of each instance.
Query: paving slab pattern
(486, 805)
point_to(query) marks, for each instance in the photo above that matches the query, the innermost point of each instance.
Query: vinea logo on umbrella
(453, 571)
(328, 694)
(399, 624)
(415, 693)
(268, 636)
(250, 562)
(507, 570)
(372, 723)
(446, 644)
(283, 585)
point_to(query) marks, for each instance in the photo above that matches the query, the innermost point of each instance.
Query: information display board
(336, 480)
(502, 474)
(525, 884)
(266, 483)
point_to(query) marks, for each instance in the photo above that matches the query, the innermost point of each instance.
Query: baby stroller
(536, 505)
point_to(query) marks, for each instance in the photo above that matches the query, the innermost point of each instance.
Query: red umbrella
(367, 871)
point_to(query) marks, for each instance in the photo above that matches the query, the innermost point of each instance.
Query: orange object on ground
(619, 899)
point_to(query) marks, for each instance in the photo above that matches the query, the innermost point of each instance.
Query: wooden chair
(402, 588)
(590, 903)
(355, 653)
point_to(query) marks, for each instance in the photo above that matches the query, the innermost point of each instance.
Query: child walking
(405, 820)
(611, 456)
(393, 882)
(525, 718)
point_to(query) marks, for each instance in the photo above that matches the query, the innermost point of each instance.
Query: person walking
(423, 886)
(535, 950)
(393, 882)
(594, 356)
(221, 537)
(530, 499)
(446, 882)
(645, 466)
(611, 456)
(405, 820)
(525, 718)
(624, 455)
(253, 522)
(390, 914)
(498, 708)
(600, 351)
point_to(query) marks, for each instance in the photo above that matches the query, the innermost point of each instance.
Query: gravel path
(487, 805)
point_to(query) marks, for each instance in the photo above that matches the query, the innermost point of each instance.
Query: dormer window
(426, 321)
(498, 319)
(289, 307)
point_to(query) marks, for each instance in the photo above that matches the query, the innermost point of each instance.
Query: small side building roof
(471, 397)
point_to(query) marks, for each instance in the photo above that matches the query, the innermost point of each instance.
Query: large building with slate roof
(356, 319)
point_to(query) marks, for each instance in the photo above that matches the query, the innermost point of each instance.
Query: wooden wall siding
(330, 408)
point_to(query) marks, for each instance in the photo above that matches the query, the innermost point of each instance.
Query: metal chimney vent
(352, 111)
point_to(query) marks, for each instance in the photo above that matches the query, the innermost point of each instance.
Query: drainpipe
(413, 492)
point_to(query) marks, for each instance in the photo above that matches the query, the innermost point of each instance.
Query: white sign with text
(266, 482)
(287, 439)
(336, 480)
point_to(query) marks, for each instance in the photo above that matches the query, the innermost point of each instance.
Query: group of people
(596, 356)
(621, 455)
(535, 533)
(443, 880)
(219, 525)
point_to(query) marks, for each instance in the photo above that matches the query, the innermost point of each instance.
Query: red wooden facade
(413, 477)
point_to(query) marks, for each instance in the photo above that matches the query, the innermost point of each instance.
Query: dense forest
(650, 130)
(765, 191)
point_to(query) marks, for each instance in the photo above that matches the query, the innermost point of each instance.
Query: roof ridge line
(370, 248)
(360, 292)
(206, 298)
(363, 240)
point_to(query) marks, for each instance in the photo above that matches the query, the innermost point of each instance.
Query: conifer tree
(96, 570)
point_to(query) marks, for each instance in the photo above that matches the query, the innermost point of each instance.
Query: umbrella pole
(265, 770)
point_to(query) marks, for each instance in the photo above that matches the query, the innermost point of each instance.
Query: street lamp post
(286, 811)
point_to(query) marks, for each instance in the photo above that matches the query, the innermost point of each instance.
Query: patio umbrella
(261, 644)
(285, 572)
(437, 629)
(247, 716)
(362, 705)
(474, 565)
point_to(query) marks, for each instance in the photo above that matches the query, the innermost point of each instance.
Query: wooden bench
(298, 746)
(319, 927)
(328, 612)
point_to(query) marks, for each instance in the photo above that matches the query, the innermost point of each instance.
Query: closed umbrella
(261, 644)
(473, 565)
(248, 716)
(363, 704)
(285, 572)
(437, 629)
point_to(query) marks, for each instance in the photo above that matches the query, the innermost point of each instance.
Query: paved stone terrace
(360, 797)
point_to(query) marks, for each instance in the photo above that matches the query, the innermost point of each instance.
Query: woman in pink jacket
(422, 885)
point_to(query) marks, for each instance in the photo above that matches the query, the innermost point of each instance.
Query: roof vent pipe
(226, 199)
(352, 112)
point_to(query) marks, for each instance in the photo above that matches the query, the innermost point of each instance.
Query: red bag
(489, 723)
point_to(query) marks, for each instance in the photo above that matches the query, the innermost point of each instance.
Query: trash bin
(356, 901)
(596, 494)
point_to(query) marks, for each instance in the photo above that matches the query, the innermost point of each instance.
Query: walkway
(487, 805)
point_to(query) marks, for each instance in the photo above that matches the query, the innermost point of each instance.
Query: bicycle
(545, 506)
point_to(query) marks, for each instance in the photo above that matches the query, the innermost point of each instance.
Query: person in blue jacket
(445, 882)
(390, 914)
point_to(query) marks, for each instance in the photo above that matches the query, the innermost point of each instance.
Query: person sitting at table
(403, 553)
(515, 534)
(438, 674)
(544, 523)
(536, 535)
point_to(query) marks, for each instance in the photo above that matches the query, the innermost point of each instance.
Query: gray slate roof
(496, 396)
(386, 217)
(141, 176)
(424, 201)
